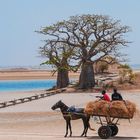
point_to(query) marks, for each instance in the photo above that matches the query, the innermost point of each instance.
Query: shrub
(126, 74)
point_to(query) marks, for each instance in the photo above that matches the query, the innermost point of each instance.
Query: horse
(68, 116)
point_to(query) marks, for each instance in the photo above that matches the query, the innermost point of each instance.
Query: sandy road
(36, 121)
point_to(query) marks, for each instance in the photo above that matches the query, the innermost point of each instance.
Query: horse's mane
(64, 104)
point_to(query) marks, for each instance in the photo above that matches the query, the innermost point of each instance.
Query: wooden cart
(108, 127)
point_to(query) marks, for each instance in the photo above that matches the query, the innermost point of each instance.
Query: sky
(19, 19)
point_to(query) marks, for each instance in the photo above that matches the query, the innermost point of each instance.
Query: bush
(126, 74)
(101, 67)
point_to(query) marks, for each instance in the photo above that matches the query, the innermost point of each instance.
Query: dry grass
(125, 85)
(122, 109)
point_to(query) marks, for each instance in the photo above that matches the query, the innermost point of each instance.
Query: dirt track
(36, 121)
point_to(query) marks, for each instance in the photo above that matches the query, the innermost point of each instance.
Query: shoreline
(47, 75)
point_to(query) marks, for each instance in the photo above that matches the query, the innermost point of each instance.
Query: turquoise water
(26, 85)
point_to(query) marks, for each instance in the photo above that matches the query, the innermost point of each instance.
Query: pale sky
(20, 18)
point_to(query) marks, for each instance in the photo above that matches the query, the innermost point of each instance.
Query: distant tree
(95, 36)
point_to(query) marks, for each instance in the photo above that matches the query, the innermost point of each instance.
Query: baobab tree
(58, 55)
(96, 37)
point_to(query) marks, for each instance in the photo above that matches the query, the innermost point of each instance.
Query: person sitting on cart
(105, 96)
(116, 96)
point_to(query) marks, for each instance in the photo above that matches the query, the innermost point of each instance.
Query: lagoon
(25, 85)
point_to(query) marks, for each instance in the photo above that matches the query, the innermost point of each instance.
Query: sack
(71, 109)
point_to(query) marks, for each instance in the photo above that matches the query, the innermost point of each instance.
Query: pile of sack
(119, 109)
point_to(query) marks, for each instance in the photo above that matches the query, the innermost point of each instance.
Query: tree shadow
(115, 138)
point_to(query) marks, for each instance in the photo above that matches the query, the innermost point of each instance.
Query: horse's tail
(90, 127)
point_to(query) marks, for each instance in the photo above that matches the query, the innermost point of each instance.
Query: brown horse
(68, 116)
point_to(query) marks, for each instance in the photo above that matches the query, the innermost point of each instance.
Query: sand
(36, 121)
(31, 74)
(35, 74)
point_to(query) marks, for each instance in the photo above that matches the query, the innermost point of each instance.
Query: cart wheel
(114, 129)
(104, 132)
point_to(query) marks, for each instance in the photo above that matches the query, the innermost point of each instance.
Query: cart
(108, 128)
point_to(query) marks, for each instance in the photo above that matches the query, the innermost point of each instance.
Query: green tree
(58, 55)
(96, 36)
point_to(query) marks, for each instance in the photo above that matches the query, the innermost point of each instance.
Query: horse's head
(57, 105)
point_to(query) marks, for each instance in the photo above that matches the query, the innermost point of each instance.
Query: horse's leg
(66, 129)
(87, 125)
(70, 128)
(84, 123)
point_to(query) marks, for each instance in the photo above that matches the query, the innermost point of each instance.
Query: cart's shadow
(113, 138)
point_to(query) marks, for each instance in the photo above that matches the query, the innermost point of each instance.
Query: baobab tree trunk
(87, 79)
(62, 78)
